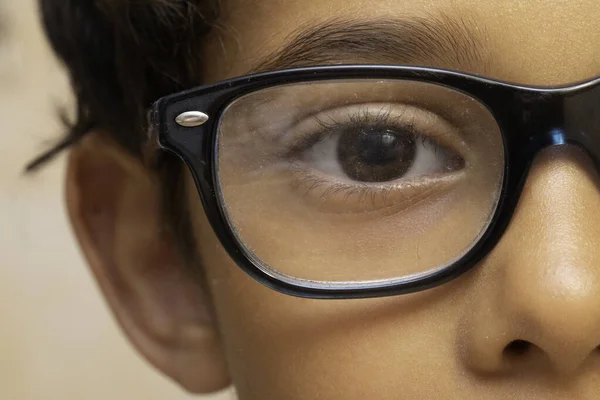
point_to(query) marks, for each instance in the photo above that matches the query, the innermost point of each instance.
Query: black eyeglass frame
(530, 119)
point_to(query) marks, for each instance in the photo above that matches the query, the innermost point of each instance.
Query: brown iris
(373, 154)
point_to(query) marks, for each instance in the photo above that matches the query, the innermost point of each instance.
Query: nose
(536, 302)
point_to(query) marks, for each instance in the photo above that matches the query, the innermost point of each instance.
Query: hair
(121, 56)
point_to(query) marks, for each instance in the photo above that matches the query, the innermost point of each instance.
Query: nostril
(517, 348)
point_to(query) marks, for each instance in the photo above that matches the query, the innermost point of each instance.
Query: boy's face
(523, 324)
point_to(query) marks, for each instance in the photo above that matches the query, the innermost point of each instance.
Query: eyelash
(356, 120)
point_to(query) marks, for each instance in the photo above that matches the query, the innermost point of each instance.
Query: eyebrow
(442, 41)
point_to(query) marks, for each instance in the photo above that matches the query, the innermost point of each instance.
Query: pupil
(375, 154)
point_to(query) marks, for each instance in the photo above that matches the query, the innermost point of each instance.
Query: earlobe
(114, 207)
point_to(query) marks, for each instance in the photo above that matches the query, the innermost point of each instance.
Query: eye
(377, 149)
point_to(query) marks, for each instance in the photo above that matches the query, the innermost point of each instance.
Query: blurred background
(57, 338)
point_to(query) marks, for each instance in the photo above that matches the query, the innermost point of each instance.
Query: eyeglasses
(366, 181)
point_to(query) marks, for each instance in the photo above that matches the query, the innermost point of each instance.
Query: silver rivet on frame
(190, 119)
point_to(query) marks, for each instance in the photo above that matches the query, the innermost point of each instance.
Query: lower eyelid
(346, 198)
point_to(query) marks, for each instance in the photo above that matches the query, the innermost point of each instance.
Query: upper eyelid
(457, 143)
(329, 128)
(381, 117)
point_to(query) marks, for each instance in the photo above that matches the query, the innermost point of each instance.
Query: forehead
(537, 42)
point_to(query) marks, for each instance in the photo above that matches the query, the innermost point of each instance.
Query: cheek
(280, 346)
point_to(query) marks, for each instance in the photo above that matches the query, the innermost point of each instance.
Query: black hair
(121, 55)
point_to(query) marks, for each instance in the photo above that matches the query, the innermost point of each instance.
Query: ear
(114, 207)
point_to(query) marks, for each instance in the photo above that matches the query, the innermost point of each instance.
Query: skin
(540, 284)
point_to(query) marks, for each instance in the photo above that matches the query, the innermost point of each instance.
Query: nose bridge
(561, 198)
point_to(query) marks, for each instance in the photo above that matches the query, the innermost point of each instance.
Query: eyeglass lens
(358, 180)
